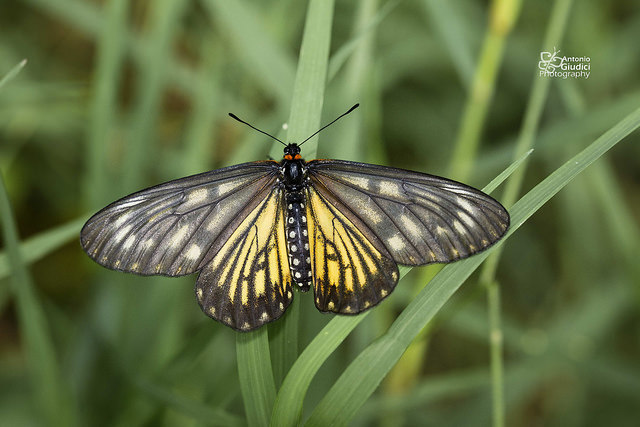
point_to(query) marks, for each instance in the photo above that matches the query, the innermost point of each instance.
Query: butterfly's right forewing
(175, 228)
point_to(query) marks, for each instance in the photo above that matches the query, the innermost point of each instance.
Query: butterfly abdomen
(298, 240)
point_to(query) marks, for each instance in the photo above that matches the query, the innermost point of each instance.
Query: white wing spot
(308, 260)
(396, 243)
(122, 219)
(458, 226)
(388, 188)
(193, 252)
(410, 225)
(359, 181)
(290, 206)
(290, 220)
(298, 275)
(306, 246)
(199, 293)
(198, 196)
(348, 309)
(281, 306)
(176, 239)
(304, 233)
(331, 305)
(296, 261)
(224, 188)
(394, 275)
(212, 311)
(122, 232)
(264, 316)
(292, 234)
(308, 274)
(304, 218)
(131, 203)
(129, 242)
(383, 293)
(302, 205)
(466, 218)
(294, 248)
(289, 295)
(464, 203)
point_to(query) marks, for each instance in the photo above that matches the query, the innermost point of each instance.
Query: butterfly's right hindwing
(175, 228)
(248, 282)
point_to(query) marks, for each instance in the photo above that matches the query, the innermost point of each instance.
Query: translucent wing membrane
(175, 228)
(248, 282)
(350, 273)
(417, 218)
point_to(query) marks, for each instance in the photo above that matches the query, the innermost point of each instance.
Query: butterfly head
(292, 152)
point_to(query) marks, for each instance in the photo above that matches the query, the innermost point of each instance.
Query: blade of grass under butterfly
(256, 376)
(288, 406)
(304, 119)
(365, 373)
(51, 393)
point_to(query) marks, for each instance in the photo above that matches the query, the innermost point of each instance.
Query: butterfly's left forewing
(418, 218)
(248, 282)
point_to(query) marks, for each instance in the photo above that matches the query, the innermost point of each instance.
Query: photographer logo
(551, 64)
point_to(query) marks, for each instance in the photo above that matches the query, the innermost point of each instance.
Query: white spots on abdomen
(298, 240)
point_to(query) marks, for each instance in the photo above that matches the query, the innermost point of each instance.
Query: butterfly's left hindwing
(350, 273)
(248, 282)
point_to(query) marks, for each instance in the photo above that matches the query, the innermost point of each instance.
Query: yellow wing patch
(350, 274)
(248, 281)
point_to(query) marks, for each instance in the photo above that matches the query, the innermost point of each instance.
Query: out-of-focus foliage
(118, 95)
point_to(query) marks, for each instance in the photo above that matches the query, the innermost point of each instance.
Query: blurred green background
(116, 96)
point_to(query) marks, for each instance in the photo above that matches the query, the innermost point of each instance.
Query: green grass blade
(39, 246)
(260, 54)
(13, 72)
(366, 372)
(304, 119)
(256, 376)
(311, 77)
(51, 393)
(503, 15)
(164, 19)
(110, 56)
(340, 57)
(450, 28)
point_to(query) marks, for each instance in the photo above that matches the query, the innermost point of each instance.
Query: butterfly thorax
(293, 180)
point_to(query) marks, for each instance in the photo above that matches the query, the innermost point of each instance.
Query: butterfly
(255, 231)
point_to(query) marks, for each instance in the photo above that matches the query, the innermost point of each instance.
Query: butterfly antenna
(327, 125)
(255, 128)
